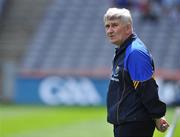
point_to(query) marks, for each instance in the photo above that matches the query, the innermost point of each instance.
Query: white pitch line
(170, 131)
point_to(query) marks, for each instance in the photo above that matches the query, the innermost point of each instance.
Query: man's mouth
(111, 36)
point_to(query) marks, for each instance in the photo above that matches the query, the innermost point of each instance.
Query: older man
(133, 103)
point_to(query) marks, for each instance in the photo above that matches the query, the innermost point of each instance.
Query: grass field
(43, 121)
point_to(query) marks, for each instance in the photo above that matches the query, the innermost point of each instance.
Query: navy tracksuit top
(133, 92)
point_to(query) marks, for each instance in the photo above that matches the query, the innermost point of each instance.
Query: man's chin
(114, 42)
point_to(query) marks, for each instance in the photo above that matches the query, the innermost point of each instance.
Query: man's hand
(161, 124)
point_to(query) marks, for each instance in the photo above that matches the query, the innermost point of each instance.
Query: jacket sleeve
(141, 71)
(150, 99)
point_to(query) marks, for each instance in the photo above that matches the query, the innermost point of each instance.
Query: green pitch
(39, 121)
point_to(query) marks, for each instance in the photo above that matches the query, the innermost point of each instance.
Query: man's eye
(114, 25)
(107, 27)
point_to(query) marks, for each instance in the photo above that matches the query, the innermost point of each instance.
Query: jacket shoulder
(138, 61)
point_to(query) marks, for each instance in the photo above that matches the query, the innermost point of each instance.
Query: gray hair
(123, 15)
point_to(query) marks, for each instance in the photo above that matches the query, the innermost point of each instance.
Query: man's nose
(110, 30)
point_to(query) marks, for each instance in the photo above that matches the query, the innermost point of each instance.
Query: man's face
(115, 31)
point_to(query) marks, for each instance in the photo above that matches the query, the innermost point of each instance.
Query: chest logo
(116, 71)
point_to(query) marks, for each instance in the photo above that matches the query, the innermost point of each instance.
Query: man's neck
(126, 38)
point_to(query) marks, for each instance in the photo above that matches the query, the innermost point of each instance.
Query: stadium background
(55, 63)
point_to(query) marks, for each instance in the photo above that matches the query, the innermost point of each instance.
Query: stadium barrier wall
(56, 90)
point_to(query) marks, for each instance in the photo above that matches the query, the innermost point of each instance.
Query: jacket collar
(126, 43)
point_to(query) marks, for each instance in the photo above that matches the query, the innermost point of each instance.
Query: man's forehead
(112, 21)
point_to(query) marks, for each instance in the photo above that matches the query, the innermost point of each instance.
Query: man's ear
(128, 28)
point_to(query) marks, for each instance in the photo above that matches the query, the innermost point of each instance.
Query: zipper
(121, 99)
